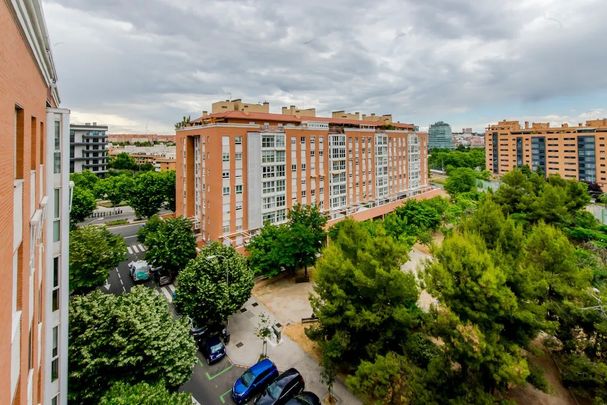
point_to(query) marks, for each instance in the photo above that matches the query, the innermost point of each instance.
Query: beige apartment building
(573, 152)
(34, 212)
(236, 170)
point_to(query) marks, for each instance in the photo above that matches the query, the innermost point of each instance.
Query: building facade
(136, 138)
(237, 171)
(88, 148)
(35, 212)
(573, 152)
(439, 136)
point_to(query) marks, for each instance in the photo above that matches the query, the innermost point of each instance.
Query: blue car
(254, 380)
(213, 349)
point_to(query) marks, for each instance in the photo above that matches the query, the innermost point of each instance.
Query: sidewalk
(244, 350)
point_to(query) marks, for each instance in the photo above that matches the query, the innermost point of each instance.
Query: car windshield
(216, 348)
(274, 390)
(247, 378)
(141, 267)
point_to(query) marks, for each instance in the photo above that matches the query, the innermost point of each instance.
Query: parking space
(212, 384)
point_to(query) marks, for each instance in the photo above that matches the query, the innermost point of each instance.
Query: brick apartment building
(133, 138)
(237, 169)
(573, 152)
(34, 208)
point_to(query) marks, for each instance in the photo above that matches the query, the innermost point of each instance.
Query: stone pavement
(245, 348)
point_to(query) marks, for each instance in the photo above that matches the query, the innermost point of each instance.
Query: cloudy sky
(140, 65)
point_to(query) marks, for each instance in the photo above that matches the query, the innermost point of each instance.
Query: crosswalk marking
(141, 247)
(130, 250)
(167, 294)
(171, 287)
(135, 250)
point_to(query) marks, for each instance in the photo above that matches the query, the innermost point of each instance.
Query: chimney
(580, 124)
(94, 124)
(526, 124)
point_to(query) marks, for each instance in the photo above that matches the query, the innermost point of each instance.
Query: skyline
(135, 66)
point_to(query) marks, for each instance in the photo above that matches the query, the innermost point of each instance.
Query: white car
(139, 270)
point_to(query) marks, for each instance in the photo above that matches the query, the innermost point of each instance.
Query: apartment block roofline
(515, 125)
(31, 20)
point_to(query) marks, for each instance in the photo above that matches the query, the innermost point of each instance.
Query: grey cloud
(153, 61)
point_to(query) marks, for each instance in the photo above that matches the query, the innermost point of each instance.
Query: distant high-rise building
(34, 214)
(237, 169)
(573, 152)
(439, 136)
(88, 148)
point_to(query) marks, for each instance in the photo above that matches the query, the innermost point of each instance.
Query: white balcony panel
(17, 213)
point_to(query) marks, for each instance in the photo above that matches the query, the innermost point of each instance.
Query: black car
(213, 349)
(201, 333)
(284, 387)
(305, 398)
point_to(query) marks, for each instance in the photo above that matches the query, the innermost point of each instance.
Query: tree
(115, 188)
(480, 330)
(214, 285)
(364, 303)
(169, 189)
(83, 205)
(151, 226)
(94, 251)
(144, 394)
(148, 194)
(85, 179)
(123, 161)
(267, 250)
(130, 338)
(171, 245)
(390, 379)
(461, 180)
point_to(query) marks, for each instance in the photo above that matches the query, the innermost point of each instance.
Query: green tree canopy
(94, 251)
(130, 338)
(148, 194)
(267, 250)
(143, 394)
(461, 180)
(171, 245)
(83, 205)
(85, 179)
(115, 188)
(214, 285)
(169, 188)
(443, 158)
(123, 161)
(364, 302)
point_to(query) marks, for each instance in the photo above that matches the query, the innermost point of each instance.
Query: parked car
(213, 349)
(139, 270)
(161, 276)
(254, 381)
(305, 398)
(285, 387)
(201, 333)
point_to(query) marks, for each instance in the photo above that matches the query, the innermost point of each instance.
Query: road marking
(141, 247)
(120, 279)
(130, 250)
(171, 287)
(212, 377)
(167, 294)
(194, 401)
(221, 397)
(134, 247)
(129, 237)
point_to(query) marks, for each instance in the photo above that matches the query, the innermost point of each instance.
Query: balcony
(17, 213)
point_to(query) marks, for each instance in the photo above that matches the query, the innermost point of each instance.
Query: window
(225, 175)
(56, 230)
(302, 140)
(239, 189)
(226, 190)
(267, 172)
(268, 202)
(293, 168)
(280, 141)
(268, 187)
(238, 140)
(238, 156)
(267, 156)
(280, 171)
(280, 185)
(57, 150)
(267, 141)
(303, 166)
(280, 156)
(280, 201)
(293, 140)
(55, 284)
(225, 156)
(55, 354)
